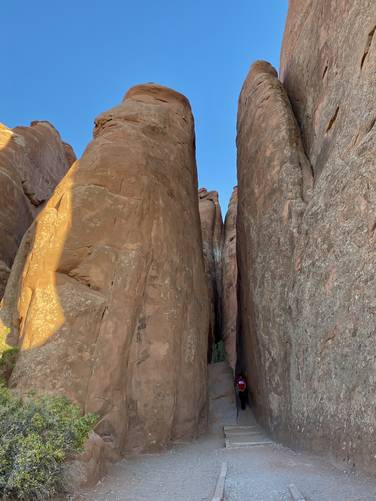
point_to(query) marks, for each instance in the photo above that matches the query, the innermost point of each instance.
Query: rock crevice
(212, 237)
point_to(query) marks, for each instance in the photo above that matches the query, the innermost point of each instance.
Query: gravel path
(264, 474)
(188, 472)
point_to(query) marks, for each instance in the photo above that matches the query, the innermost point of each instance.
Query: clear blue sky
(67, 61)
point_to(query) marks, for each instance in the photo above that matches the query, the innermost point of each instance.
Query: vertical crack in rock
(332, 120)
(368, 47)
(229, 283)
(212, 235)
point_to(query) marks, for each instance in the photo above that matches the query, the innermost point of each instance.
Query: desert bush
(219, 353)
(37, 434)
(8, 359)
(8, 355)
(4, 332)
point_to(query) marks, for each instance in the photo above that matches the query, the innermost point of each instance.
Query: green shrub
(8, 355)
(219, 353)
(7, 362)
(37, 434)
(4, 331)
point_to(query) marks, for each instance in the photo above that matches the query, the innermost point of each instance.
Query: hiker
(241, 388)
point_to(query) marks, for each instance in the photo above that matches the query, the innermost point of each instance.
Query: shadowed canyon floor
(188, 471)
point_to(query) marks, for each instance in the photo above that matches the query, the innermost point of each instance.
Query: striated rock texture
(112, 308)
(212, 234)
(32, 161)
(229, 282)
(307, 257)
(274, 185)
(328, 69)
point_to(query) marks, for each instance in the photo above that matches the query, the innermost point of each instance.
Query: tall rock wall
(32, 161)
(112, 307)
(229, 282)
(333, 361)
(307, 257)
(275, 181)
(212, 235)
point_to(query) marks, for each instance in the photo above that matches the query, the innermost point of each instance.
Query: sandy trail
(188, 472)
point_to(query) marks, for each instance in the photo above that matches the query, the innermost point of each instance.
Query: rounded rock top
(156, 92)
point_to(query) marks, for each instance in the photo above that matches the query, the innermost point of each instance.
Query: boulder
(222, 398)
(32, 162)
(212, 233)
(229, 282)
(86, 468)
(111, 307)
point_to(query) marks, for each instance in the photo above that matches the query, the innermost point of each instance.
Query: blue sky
(66, 62)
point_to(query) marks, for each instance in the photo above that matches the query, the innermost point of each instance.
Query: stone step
(239, 427)
(243, 432)
(240, 445)
(244, 436)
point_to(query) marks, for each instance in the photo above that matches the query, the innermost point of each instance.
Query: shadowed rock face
(113, 304)
(328, 68)
(274, 179)
(69, 153)
(32, 162)
(229, 282)
(307, 255)
(212, 233)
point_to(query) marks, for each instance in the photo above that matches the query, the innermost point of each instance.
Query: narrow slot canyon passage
(189, 470)
(258, 467)
(153, 344)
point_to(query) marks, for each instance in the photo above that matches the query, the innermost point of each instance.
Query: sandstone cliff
(307, 254)
(112, 306)
(229, 282)
(274, 184)
(333, 359)
(32, 161)
(212, 234)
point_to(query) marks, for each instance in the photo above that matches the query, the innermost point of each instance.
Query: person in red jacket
(241, 388)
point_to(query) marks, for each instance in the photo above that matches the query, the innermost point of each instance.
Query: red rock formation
(307, 256)
(328, 69)
(32, 162)
(212, 234)
(274, 184)
(86, 468)
(229, 282)
(113, 307)
(69, 153)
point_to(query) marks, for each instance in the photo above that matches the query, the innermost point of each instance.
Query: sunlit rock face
(212, 234)
(32, 161)
(328, 69)
(229, 282)
(275, 181)
(113, 308)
